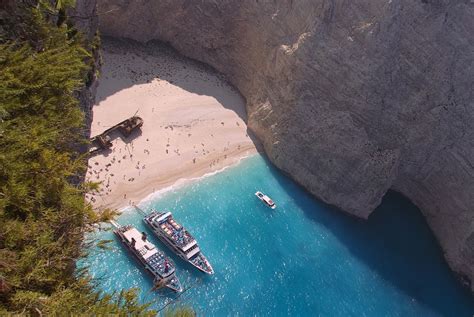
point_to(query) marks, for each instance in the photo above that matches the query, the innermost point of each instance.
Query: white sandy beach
(192, 123)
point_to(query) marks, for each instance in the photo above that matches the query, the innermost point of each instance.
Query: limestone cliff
(351, 98)
(85, 19)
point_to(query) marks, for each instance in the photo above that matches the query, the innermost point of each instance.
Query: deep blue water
(303, 259)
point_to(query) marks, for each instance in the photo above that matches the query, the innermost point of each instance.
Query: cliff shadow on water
(204, 80)
(396, 243)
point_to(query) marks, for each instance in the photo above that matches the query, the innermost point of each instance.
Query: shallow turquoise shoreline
(303, 259)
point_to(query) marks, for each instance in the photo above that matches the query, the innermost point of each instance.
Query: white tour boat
(154, 260)
(178, 239)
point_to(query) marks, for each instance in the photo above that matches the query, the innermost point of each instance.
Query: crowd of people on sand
(108, 180)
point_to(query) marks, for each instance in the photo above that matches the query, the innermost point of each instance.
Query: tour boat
(154, 260)
(178, 239)
(266, 200)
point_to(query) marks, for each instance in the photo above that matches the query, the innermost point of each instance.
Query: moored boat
(154, 260)
(178, 239)
(265, 199)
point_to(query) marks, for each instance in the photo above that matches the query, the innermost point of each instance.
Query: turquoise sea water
(302, 259)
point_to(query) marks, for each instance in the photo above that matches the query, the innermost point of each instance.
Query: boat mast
(115, 224)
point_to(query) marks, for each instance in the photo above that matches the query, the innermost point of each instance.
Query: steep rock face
(85, 19)
(351, 98)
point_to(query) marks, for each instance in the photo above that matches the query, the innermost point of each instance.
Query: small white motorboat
(266, 200)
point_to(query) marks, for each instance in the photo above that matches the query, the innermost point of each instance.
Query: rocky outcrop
(351, 98)
(86, 20)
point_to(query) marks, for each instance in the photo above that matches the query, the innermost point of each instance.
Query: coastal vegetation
(44, 63)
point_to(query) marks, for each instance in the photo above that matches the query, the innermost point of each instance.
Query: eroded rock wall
(86, 20)
(351, 98)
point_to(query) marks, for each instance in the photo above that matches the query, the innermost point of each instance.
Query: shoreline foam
(182, 182)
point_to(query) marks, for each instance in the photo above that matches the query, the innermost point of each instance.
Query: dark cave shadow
(396, 243)
(162, 72)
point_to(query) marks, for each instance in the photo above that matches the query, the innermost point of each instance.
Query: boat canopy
(144, 247)
(163, 217)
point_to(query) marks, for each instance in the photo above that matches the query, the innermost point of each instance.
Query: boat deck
(156, 259)
(175, 231)
(144, 247)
